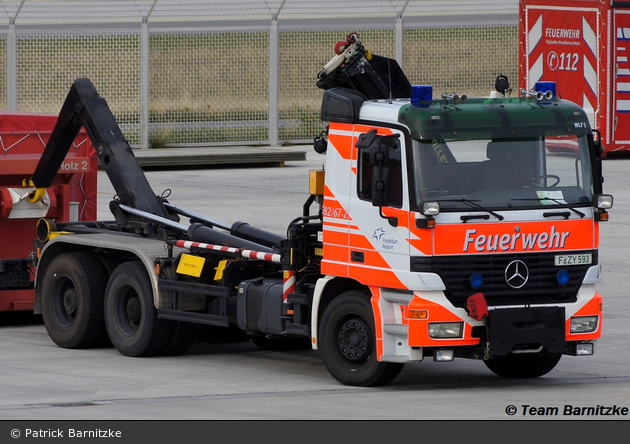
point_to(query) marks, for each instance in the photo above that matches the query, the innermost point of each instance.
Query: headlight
(445, 355)
(584, 349)
(584, 324)
(441, 330)
(430, 208)
(604, 201)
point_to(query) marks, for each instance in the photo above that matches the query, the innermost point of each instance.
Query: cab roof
(494, 117)
(505, 117)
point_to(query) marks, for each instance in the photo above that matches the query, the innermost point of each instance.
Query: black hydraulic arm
(83, 107)
(354, 67)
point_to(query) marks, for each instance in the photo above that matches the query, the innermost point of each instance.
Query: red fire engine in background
(583, 46)
(72, 196)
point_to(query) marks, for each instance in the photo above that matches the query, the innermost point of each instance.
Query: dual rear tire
(81, 308)
(131, 319)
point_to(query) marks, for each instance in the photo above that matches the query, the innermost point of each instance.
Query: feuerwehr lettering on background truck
(444, 228)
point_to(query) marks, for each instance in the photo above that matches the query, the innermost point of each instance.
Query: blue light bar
(420, 95)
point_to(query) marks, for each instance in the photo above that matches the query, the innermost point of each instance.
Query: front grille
(541, 287)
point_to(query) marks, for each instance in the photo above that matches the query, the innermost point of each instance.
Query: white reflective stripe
(622, 59)
(336, 228)
(590, 75)
(589, 109)
(623, 105)
(589, 36)
(535, 34)
(623, 87)
(341, 132)
(535, 73)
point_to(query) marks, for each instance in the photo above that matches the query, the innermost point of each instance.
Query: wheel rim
(128, 310)
(64, 301)
(354, 341)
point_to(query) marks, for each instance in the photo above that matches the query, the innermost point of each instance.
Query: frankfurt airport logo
(516, 274)
(378, 234)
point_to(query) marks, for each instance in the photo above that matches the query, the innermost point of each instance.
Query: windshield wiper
(561, 204)
(474, 205)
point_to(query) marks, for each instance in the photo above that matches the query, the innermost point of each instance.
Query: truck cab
(471, 224)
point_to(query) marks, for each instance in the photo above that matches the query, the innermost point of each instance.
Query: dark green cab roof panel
(494, 118)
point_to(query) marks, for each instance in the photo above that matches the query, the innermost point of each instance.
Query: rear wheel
(130, 315)
(523, 365)
(72, 301)
(348, 343)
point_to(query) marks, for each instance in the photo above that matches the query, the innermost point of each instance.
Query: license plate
(573, 259)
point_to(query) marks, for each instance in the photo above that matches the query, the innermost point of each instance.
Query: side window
(365, 174)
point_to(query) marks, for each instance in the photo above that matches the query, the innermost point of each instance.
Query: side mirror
(366, 140)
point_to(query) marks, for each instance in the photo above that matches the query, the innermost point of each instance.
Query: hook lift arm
(136, 205)
(83, 107)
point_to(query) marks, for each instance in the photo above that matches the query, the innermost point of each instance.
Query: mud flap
(526, 328)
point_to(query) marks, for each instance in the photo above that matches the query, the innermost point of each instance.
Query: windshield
(504, 174)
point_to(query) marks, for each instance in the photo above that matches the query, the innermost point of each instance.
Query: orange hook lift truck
(442, 228)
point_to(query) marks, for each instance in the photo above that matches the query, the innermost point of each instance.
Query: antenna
(389, 72)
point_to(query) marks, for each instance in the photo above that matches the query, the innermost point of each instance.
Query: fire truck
(439, 228)
(583, 46)
(71, 196)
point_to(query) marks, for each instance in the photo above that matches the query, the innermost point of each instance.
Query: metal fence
(211, 72)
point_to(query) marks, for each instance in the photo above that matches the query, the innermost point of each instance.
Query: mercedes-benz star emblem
(516, 274)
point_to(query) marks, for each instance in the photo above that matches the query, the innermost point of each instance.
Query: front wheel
(348, 343)
(523, 365)
(130, 315)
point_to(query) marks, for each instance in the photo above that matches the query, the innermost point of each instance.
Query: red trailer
(72, 196)
(583, 46)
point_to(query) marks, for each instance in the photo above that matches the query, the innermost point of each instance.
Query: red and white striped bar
(250, 254)
(288, 285)
(269, 257)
